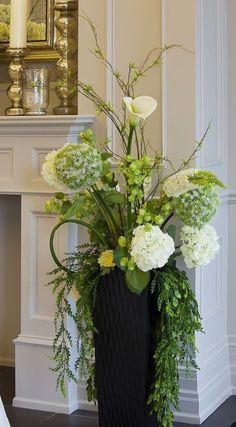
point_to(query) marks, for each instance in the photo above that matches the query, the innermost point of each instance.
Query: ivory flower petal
(139, 108)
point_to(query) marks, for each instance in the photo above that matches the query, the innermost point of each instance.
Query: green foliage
(177, 324)
(137, 280)
(82, 274)
(206, 179)
(79, 205)
(113, 197)
(171, 230)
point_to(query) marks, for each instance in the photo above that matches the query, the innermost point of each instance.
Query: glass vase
(36, 91)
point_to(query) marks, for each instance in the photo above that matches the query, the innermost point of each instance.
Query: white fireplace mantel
(24, 142)
(43, 125)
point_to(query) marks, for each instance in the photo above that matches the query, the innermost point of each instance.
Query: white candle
(18, 23)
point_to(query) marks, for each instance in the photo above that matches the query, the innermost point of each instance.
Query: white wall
(211, 282)
(127, 31)
(232, 186)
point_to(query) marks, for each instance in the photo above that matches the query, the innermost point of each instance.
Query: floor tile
(91, 414)
(60, 420)
(19, 417)
(224, 416)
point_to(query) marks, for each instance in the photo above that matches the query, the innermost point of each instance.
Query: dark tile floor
(225, 416)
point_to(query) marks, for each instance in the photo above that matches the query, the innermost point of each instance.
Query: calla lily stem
(130, 139)
(129, 208)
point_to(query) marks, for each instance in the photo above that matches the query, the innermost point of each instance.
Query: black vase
(123, 353)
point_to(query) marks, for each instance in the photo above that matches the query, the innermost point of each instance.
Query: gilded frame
(42, 50)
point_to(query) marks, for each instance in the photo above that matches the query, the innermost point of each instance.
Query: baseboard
(186, 418)
(87, 406)
(234, 391)
(45, 406)
(232, 357)
(7, 362)
(214, 406)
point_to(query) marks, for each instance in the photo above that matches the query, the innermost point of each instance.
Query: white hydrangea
(48, 171)
(199, 246)
(177, 184)
(150, 247)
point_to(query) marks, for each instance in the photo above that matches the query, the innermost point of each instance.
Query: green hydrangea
(78, 166)
(195, 208)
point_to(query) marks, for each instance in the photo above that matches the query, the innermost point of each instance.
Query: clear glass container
(36, 91)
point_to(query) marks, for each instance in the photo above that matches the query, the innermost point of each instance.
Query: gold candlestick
(14, 91)
(66, 45)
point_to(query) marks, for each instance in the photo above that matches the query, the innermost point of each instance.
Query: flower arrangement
(130, 209)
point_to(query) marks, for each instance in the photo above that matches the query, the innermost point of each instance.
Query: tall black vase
(123, 353)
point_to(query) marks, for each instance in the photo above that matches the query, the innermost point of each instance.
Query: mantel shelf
(24, 143)
(44, 125)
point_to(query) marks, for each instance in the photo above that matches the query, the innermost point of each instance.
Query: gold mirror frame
(39, 50)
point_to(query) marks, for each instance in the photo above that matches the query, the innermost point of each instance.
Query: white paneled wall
(196, 89)
(211, 284)
(232, 187)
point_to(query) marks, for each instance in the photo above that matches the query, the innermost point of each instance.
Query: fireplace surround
(24, 142)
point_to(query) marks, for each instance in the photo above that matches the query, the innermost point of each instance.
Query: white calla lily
(139, 108)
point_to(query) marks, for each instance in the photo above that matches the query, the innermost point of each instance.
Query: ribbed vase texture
(124, 350)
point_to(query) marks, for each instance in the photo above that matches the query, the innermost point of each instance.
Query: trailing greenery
(80, 275)
(177, 321)
(177, 324)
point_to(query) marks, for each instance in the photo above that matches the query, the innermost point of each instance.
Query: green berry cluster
(88, 136)
(136, 172)
(154, 212)
(54, 205)
(145, 216)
